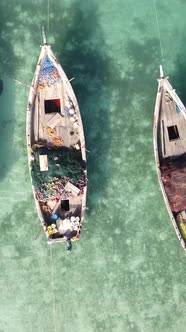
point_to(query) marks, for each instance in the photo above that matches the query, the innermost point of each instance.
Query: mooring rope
(48, 16)
(158, 28)
(52, 287)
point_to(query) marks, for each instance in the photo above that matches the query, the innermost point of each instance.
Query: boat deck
(73, 209)
(56, 128)
(55, 134)
(172, 127)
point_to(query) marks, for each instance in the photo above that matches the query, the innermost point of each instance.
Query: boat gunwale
(163, 81)
(46, 50)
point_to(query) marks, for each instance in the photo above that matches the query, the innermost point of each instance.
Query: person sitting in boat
(69, 246)
(68, 236)
(74, 223)
(63, 225)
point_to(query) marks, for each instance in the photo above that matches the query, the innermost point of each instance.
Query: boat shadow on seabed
(1, 86)
(9, 62)
(83, 56)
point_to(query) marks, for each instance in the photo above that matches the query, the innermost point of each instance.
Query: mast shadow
(81, 51)
(8, 61)
(178, 78)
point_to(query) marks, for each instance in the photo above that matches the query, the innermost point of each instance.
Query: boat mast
(44, 36)
(171, 92)
(161, 72)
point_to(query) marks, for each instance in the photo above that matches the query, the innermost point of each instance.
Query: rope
(48, 16)
(158, 28)
(52, 287)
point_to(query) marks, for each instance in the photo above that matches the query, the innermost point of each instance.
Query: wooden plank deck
(170, 116)
(62, 127)
(62, 123)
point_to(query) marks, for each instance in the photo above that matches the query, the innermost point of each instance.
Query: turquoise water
(126, 274)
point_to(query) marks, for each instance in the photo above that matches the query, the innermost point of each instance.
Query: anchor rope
(48, 16)
(158, 28)
(52, 287)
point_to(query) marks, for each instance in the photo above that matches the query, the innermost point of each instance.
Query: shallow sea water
(126, 274)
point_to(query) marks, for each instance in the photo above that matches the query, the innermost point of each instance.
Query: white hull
(56, 129)
(169, 141)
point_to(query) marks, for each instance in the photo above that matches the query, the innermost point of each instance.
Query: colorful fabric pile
(48, 74)
(53, 189)
(56, 189)
(174, 180)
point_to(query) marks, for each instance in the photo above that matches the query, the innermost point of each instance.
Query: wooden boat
(169, 136)
(56, 150)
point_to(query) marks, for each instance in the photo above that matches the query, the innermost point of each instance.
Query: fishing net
(48, 74)
(63, 165)
(174, 179)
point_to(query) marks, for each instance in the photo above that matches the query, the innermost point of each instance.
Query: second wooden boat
(169, 136)
(56, 151)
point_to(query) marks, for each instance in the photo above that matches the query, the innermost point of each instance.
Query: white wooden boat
(169, 136)
(56, 150)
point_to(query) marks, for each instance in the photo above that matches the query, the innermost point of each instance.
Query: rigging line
(48, 16)
(158, 28)
(52, 286)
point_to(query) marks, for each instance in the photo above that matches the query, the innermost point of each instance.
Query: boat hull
(56, 150)
(169, 150)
